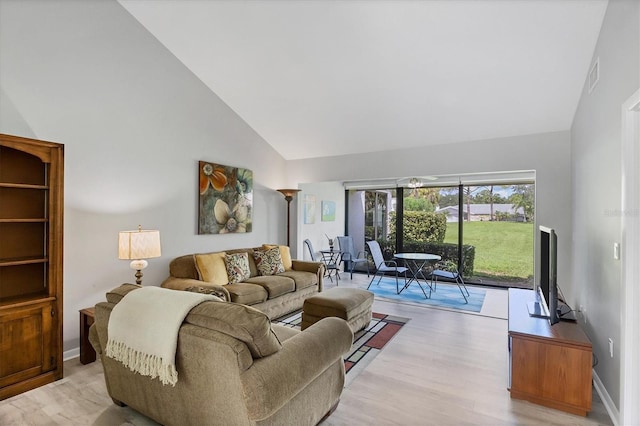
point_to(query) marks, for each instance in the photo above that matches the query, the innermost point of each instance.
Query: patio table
(331, 258)
(416, 262)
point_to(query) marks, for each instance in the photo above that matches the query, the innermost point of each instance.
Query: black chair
(349, 255)
(331, 267)
(385, 266)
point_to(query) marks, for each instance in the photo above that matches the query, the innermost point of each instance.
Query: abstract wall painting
(328, 211)
(226, 199)
(309, 209)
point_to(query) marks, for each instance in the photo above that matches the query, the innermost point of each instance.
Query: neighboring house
(482, 212)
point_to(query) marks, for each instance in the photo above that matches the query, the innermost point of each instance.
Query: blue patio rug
(446, 295)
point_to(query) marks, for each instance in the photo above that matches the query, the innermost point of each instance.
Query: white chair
(450, 275)
(385, 266)
(349, 255)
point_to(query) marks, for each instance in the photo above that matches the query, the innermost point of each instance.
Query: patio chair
(331, 267)
(349, 255)
(385, 266)
(452, 275)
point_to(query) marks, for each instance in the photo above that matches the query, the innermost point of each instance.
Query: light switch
(616, 251)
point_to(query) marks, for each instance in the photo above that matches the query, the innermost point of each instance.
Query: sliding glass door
(369, 218)
(484, 231)
(498, 222)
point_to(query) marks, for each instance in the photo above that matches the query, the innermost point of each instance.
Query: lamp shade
(140, 244)
(288, 193)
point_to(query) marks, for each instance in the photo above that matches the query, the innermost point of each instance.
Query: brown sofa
(234, 368)
(275, 295)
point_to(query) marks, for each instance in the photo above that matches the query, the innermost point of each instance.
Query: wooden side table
(87, 353)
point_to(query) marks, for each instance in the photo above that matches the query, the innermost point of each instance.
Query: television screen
(548, 285)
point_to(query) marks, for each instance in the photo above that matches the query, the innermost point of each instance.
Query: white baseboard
(71, 353)
(606, 399)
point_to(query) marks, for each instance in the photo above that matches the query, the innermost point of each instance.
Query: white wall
(548, 154)
(318, 231)
(134, 122)
(596, 170)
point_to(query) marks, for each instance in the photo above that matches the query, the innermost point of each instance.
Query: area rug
(367, 343)
(446, 296)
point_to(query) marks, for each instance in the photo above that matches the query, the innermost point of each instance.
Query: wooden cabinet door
(525, 368)
(27, 344)
(554, 374)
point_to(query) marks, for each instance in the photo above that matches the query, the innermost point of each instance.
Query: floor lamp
(288, 195)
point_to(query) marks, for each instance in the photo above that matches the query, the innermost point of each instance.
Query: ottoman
(351, 304)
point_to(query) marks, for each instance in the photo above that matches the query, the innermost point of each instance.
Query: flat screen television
(549, 271)
(546, 303)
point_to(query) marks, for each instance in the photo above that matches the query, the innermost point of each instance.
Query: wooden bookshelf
(31, 208)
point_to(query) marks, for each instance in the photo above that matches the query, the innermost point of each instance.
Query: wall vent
(594, 75)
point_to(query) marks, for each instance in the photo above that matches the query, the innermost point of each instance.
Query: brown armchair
(234, 368)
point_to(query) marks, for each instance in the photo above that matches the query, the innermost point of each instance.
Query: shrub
(420, 226)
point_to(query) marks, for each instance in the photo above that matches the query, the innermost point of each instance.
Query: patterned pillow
(268, 262)
(285, 253)
(237, 267)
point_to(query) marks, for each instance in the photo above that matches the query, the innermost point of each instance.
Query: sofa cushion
(285, 253)
(302, 279)
(246, 293)
(212, 267)
(237, 267)
(284, 333)
(268, 262)
(239, 321)
(276, 285)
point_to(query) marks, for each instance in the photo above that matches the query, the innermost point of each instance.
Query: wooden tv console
(548, 365)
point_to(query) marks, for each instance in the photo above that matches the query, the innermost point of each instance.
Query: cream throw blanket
(143, 330)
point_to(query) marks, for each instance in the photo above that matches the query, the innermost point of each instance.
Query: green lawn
(504, 250)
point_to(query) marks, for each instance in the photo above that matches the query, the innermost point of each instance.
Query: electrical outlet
(611, 348)
(583, 312)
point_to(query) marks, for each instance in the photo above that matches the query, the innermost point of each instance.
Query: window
(484, 227)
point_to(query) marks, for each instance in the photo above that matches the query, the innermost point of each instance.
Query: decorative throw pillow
(237, 267)
(268, 262)
(212, 267)
(285, 253)
(218, 294)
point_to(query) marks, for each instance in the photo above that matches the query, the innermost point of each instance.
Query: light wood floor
(442, 368)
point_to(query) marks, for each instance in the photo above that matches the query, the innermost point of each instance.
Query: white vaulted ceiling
(319, 78)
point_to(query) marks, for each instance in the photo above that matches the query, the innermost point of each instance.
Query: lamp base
(138, 265)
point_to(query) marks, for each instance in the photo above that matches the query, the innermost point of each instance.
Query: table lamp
(138, 246)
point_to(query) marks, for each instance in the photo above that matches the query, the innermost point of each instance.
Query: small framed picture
(328, 211)
(309, 209)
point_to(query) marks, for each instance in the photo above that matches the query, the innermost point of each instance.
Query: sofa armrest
(309, 266)
(272, 381)
(306, 265)
(188, 284)
(93, 339)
